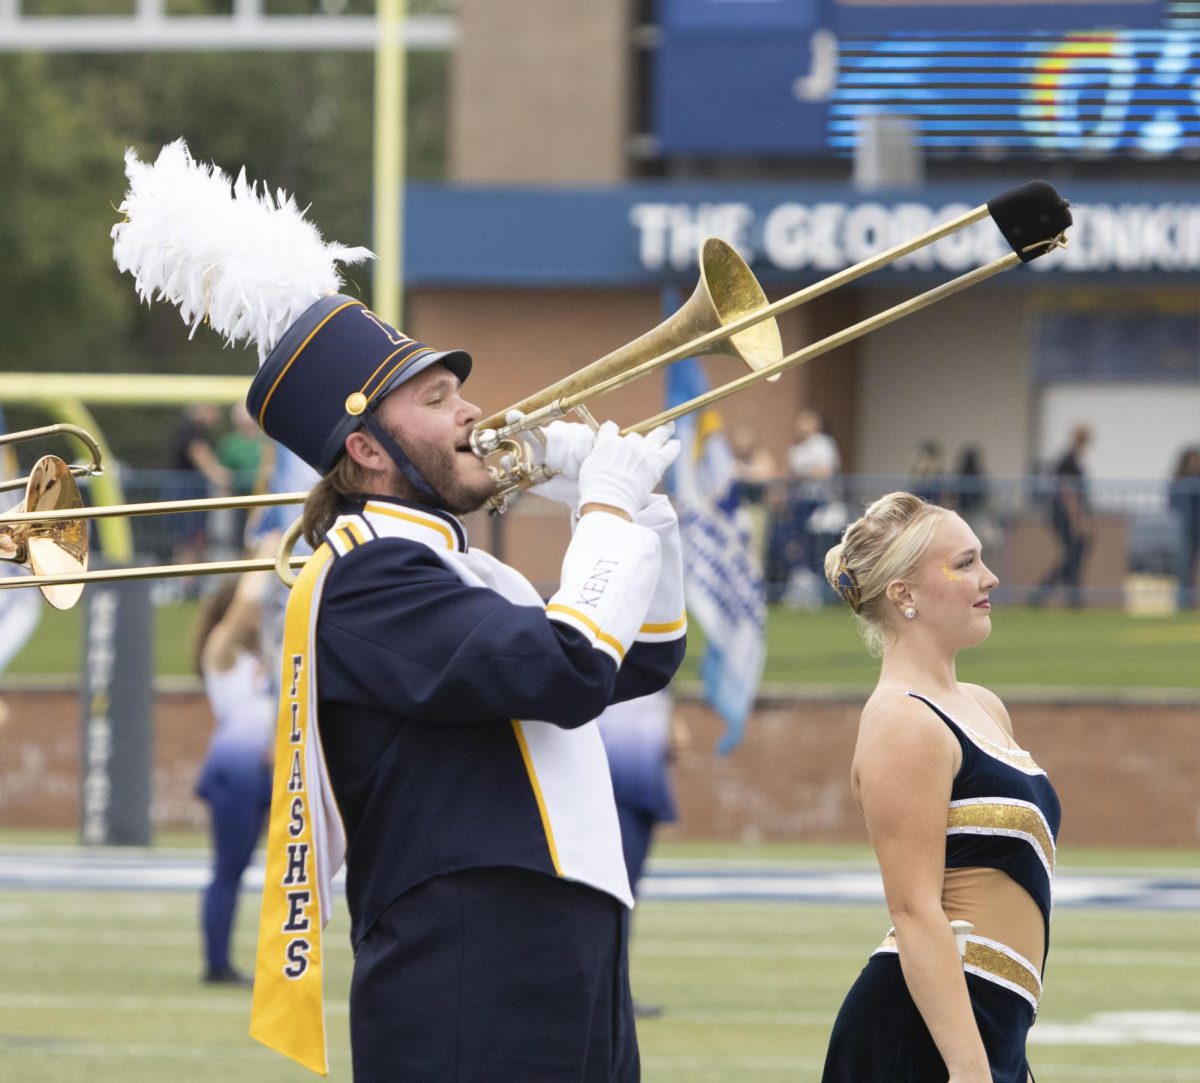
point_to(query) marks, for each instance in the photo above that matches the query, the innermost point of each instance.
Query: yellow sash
(305, 846)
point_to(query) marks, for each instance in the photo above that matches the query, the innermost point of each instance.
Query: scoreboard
(1098, 93)
(796, 77)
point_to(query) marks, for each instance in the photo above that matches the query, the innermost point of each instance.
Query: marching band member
(963, 821)
(436, 715)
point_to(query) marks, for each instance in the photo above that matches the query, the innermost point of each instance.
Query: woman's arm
(242, 617)
(904, 768)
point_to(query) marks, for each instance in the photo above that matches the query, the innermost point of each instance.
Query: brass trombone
(59, 547)
(68, 519)
(1033, 219)
(90, 470)
(727, 313)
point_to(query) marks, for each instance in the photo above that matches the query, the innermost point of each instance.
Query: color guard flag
(722, 581)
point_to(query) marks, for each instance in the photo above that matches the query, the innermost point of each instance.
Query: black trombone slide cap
(1027, 215)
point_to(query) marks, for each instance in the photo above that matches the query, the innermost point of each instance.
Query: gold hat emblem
(356, 403)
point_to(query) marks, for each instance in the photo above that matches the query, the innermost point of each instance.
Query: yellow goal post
(66, 396)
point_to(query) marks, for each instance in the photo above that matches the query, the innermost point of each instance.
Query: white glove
(563, 448)
(622, 471)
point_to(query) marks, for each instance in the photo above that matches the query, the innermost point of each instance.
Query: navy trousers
(494, 974)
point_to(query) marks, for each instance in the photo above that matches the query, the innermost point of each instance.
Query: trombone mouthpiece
(1032, 218)
(484, 441)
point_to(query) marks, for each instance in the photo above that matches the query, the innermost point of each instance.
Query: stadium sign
(648, 233)
(117, 715)
(830, 235)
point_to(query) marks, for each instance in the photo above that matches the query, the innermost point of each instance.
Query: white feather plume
(244, 260)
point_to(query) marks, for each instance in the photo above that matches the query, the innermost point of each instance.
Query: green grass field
(101, 987)
(1097, 649)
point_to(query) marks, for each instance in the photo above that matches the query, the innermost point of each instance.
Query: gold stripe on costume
(299, 351)
(1005, 817)
(425, 521)
(992, 960)
(604, 637)
(659, 629)
(537, 793)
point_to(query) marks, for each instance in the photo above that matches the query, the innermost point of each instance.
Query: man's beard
(439, 468)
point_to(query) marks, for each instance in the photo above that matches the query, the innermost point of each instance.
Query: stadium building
(592, 147)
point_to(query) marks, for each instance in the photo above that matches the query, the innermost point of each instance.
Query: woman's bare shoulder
(893, 714)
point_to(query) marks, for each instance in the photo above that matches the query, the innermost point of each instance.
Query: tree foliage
(302, 122)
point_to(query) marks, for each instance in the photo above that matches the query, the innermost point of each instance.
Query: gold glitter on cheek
(948, 573)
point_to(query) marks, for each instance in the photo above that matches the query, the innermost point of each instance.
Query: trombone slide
(1033, 219)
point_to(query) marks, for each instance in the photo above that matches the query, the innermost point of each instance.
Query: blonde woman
(963, 821)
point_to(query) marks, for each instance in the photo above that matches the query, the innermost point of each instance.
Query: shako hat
(246, 261)
(335, 362)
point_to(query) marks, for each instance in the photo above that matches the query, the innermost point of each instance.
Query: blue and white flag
(722, 581)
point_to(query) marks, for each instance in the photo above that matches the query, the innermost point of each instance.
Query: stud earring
(909, 612)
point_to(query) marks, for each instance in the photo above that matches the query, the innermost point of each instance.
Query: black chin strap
(424, 491)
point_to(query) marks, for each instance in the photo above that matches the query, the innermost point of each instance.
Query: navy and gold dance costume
(1001, 828)
(485, 879)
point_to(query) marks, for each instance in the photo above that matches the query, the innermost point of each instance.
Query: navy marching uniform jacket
(455, 707)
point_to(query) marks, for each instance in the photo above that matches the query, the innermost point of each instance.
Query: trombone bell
(58, 547)
(727, 292)
(731, 291)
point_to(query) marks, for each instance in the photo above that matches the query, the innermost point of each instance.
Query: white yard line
(64, 869)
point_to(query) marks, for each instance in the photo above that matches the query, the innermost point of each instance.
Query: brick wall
(1126, 773)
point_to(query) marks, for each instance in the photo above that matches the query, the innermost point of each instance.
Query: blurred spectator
(1071, 519)
(641, 738)
(199, 473)
(235, 780)
(967, 493)
(971, 487)
(785, 540)
(1185, 503)
(240, 451)
(926, 470)
(754, 468)
(754, 465)
(813, 464)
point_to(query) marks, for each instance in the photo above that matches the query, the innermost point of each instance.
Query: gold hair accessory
(847, 585)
